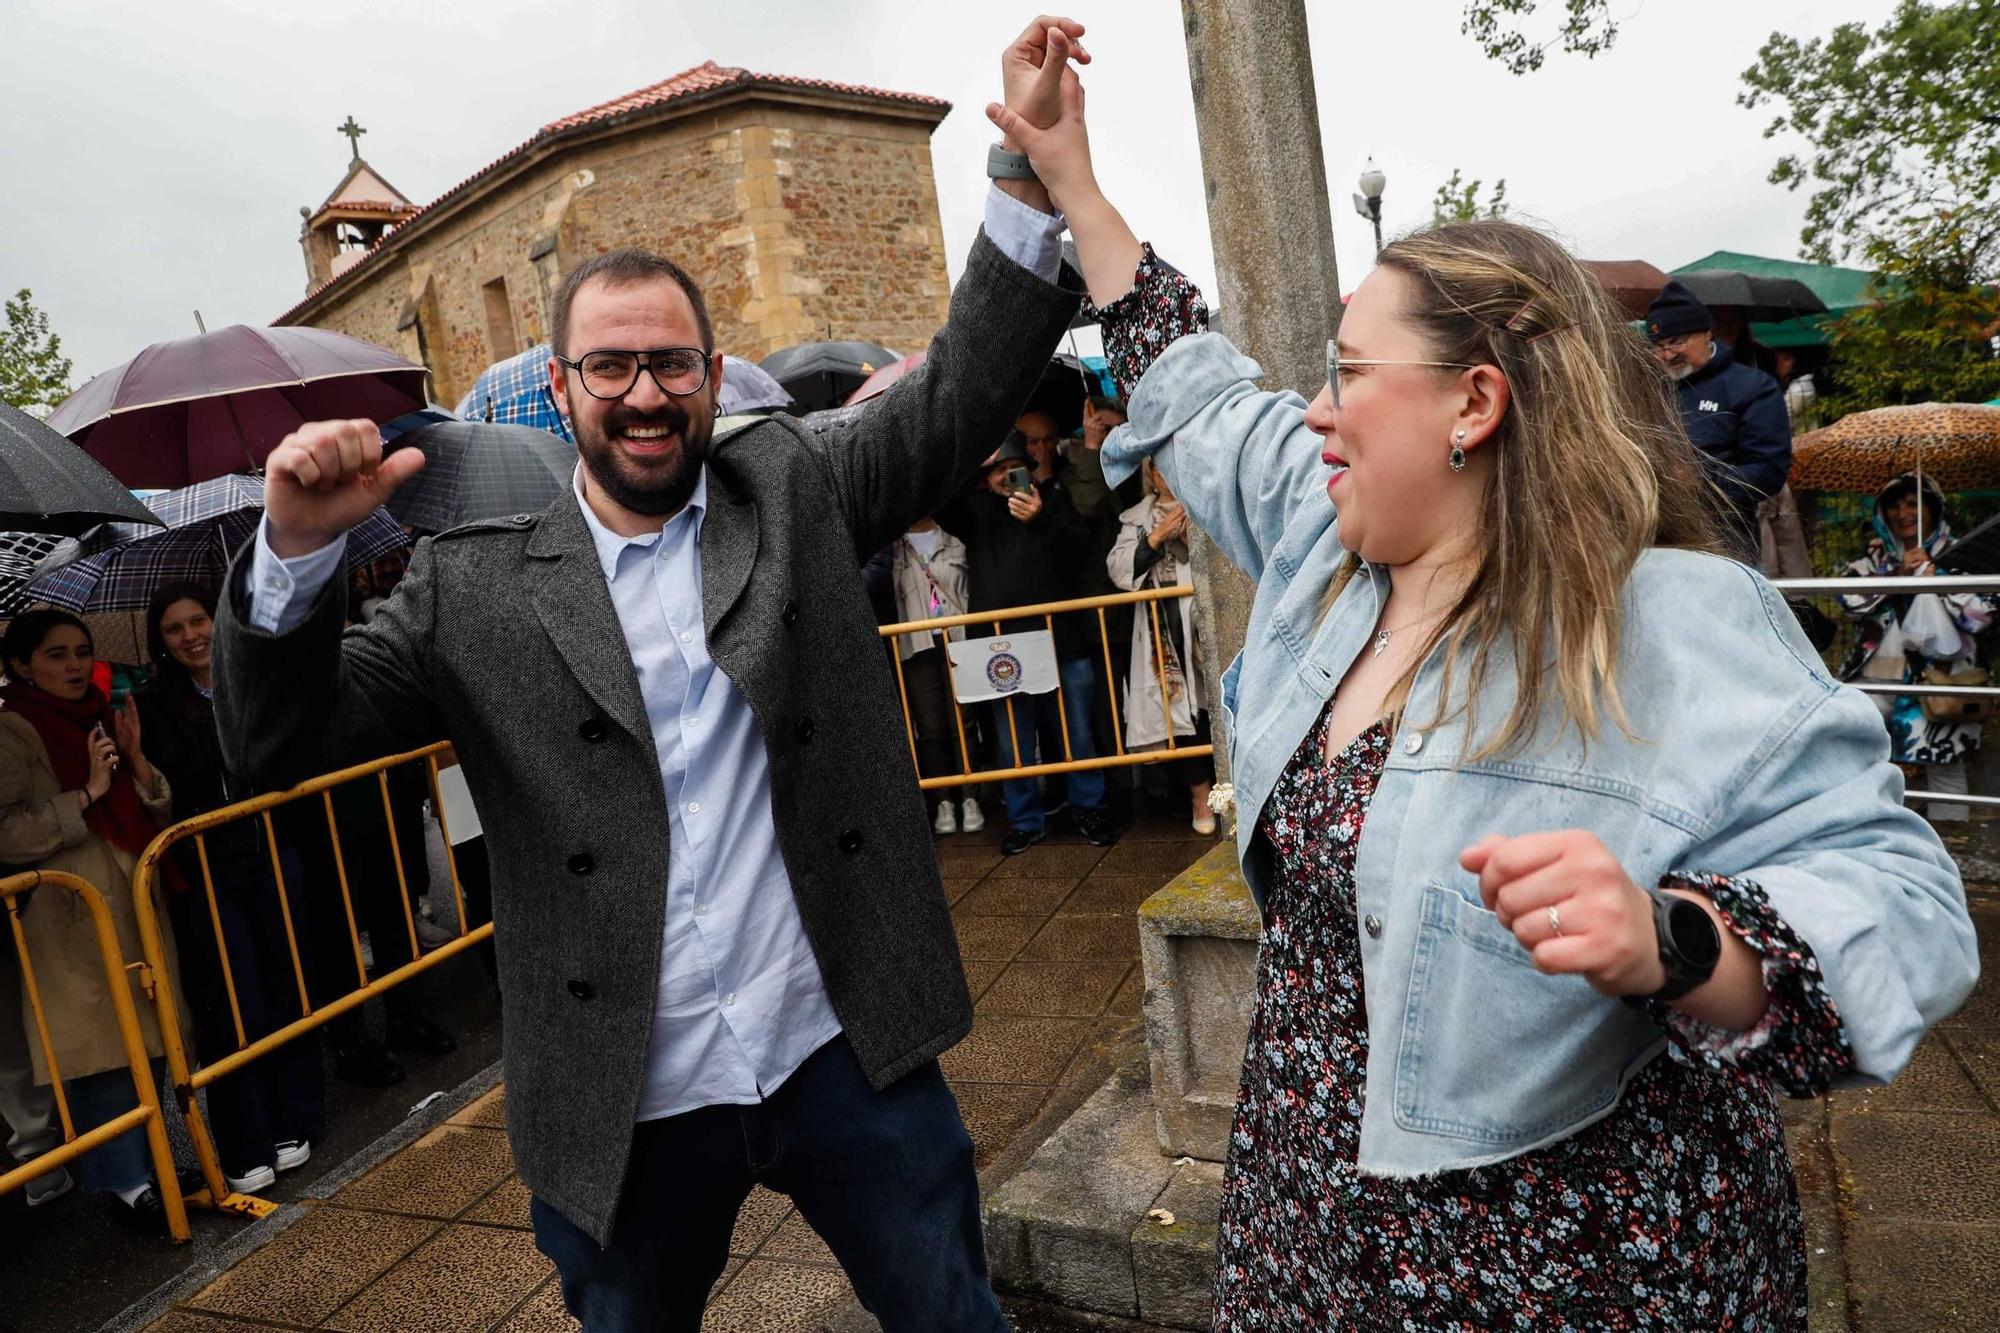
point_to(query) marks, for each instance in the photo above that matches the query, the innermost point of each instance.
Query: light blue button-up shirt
(741, 1001)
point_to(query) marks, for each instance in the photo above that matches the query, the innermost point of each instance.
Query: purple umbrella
(185, 411)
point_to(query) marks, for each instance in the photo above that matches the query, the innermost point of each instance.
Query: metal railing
(1150, 598)
(188, 1079)
(146, 1115)
(1899, 584)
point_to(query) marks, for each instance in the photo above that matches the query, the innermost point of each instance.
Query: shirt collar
(610, 545)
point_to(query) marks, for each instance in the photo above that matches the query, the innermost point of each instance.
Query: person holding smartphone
(1026, 544)
(78, 794)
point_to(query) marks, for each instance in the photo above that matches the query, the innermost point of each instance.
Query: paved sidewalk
(1901, 1185)
(436, 1237)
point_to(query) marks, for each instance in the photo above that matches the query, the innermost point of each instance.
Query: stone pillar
(1271, 223)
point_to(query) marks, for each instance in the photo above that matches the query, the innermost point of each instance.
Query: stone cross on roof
(353, 133)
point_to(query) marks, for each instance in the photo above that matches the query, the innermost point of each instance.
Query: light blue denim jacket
(1750, 761)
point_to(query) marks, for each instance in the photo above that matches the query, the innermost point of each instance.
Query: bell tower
(360, 211)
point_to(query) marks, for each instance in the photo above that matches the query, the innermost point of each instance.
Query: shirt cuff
(282, 592)
(1028, 236)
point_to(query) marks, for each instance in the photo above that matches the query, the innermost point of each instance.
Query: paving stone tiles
(437, 1237)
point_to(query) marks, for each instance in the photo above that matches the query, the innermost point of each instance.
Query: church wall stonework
(798, 221)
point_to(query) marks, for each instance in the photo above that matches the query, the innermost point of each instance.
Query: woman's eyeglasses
(1334, 361)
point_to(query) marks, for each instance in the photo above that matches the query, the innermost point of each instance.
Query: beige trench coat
(42, 828)
(1145, 715)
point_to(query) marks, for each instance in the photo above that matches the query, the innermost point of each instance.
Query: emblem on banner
(1003, 669)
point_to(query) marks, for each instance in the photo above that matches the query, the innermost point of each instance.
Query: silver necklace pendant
(1382, 641)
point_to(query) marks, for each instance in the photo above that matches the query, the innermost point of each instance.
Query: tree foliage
(1902, 123)
(1586, 29)
(1930, 338)
(1457, 200)
(34, 374)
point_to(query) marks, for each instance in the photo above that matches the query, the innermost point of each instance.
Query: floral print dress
(1677, 1211)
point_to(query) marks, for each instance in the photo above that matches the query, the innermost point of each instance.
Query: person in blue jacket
(1734, 413)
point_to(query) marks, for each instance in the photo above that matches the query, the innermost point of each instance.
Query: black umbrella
(477, 469)
(1764, 300)
(824, 374)
(48, 484)
(1061, 392)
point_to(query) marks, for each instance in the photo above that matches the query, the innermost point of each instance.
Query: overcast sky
(153, 157)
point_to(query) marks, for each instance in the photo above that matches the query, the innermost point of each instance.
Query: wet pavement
(436, 1234)
(1901, 1185)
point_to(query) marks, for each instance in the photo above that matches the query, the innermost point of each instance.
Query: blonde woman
(1570, 852)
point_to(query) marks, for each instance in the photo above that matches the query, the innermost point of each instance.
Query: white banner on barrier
(459, 814)
(1009, 664)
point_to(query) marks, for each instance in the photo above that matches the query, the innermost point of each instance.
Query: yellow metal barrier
(187, 1079)
(1151, 598)
(147, 1113)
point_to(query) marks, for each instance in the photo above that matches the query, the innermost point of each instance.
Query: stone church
(806, 210)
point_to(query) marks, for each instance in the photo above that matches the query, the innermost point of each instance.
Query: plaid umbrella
(515, 392)
(474, 471)
(121, 567)
(22, 554)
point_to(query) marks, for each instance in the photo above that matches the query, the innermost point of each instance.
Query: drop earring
(1458, 452)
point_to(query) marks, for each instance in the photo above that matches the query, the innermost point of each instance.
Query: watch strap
(1002, 165)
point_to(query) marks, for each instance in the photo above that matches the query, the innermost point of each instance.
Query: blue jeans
(125, 1162)
(1024, 795)
(886, 1179)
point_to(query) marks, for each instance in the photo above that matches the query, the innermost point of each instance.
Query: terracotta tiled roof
(707, 77)
(369, 206)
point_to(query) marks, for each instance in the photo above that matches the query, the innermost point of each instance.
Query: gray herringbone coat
(502, 638)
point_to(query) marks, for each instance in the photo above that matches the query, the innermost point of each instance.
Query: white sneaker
(430, 934)
(946, 821)
(973, 821)
(48, 1188)
(293, 1153)
(260, 1179)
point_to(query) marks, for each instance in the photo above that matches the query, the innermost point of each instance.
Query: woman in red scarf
(77, 794)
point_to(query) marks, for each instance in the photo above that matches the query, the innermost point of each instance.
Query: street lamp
(1369, 202)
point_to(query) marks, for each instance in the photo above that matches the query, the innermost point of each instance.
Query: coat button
(1373, 925)
(850, 841)
(804, 731)
(592, 730)
(1414, 744)
(583, 990)
(582, 864)
(790, 613)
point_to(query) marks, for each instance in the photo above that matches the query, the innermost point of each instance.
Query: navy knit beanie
(1675, 311)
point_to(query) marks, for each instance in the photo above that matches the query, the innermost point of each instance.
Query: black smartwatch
(1690, 945)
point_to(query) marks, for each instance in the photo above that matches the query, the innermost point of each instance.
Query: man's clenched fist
(324, 478)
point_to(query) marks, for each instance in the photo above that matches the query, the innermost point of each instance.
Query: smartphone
(1019, 481)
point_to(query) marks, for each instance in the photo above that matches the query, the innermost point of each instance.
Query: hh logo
(1710, 405)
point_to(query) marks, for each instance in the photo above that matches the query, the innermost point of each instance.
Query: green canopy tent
(1841, 288)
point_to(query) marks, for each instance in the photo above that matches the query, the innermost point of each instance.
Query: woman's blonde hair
(1592, 467)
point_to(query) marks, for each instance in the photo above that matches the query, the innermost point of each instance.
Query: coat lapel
(575, 608)
(728, 549)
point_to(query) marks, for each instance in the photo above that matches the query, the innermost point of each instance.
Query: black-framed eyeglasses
(1334, 361)
(610, 373)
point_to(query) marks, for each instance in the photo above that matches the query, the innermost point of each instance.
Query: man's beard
(1679, 372)
(657, 486)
